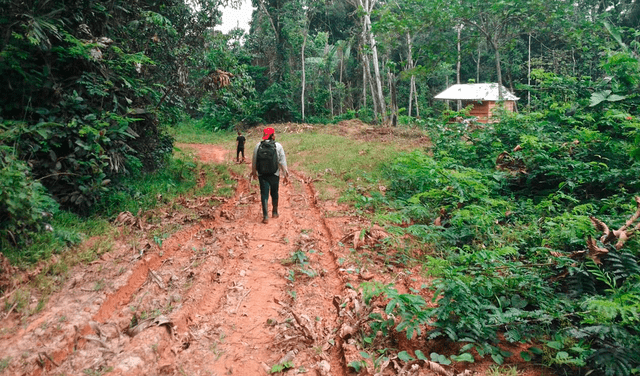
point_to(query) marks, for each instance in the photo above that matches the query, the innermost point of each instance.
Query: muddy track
(226, 294)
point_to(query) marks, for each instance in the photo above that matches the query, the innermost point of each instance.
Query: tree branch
(273, 25)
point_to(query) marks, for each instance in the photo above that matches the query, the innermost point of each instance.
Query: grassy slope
(322, 152)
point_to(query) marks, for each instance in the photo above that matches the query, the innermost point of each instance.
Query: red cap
(268, 132)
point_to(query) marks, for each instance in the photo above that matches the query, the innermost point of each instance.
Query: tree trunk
(304, 75)
(376, 70)
(478, 66)
(374, 97)
(498, 69)
(341, 64)
(410, 96)
(529, 75)
(459, 27)
(410, 66)
(340, 92)
(394, 101)
(415, 91)
(368, 5)
(364, 82)
(331, 96)
(447, 85)
(273, 64)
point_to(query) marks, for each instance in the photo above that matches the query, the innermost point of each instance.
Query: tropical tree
(402, 21)
(500, 21)
(369, 46)
(84, 86)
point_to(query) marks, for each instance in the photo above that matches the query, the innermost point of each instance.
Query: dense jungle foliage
(509, 216)
(509, 242)
(89, 90)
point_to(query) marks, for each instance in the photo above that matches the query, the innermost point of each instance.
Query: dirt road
(224, 295)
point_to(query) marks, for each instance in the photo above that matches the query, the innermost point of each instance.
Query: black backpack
(267, 159)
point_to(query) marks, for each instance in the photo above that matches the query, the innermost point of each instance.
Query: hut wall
(484, 110)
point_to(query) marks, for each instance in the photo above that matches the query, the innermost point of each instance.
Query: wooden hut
(483, 97)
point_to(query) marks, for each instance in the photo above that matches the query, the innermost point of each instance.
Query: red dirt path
(219, 284)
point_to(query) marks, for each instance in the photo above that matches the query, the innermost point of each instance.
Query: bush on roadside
(24, 203)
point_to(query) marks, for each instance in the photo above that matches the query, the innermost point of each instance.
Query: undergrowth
(504, 237)
(505, 215)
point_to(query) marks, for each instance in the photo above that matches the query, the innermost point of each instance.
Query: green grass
(69, 229)
(337, 162)
(192, 132)
(4, 363)
(150, 191)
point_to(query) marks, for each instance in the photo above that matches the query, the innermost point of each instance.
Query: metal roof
(476, 92)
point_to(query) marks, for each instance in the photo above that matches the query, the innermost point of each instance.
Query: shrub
(276, 105)
(24, 203)
(514, 238)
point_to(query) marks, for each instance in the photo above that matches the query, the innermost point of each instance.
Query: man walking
(267, 163)
(240, 146)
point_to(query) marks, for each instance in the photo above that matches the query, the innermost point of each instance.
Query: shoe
(275, 215)
(265, 220)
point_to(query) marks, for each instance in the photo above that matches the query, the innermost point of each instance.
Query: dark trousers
(269, 183)
(238, 151)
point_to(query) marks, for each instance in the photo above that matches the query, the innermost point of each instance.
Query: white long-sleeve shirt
(282, 160)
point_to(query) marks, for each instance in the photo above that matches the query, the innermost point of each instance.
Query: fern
(615, 361)
(621, 264)
(621, 308)
(612, 326)
(616, 268)
(609, 279)
(607, 311)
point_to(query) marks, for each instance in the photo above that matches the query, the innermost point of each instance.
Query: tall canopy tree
(500, 21)
(415, 37)
(403, 21)
(365, 8)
